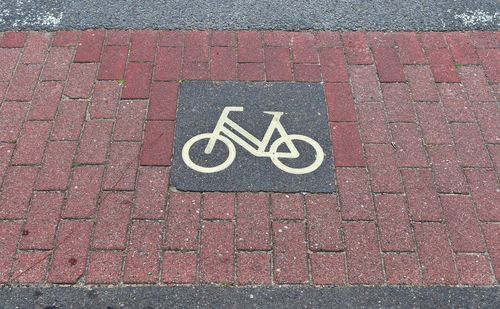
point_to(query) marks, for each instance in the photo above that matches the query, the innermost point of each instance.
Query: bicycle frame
(261, 145)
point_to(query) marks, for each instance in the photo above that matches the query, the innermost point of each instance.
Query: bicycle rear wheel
(212, 169)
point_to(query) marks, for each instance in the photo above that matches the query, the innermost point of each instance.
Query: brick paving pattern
(86, 132)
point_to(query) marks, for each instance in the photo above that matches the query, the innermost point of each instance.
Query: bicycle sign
(225, 133)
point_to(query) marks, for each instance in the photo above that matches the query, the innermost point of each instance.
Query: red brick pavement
(86, 133)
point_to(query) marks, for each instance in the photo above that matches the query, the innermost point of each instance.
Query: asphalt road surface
(395, 15)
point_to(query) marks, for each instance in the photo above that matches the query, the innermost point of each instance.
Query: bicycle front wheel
(319, 155)
(212, 169)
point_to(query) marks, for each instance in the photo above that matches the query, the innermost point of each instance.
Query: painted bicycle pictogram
(225, 132)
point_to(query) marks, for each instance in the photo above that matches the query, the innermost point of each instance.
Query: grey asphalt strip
(382, 15)
(251, 297)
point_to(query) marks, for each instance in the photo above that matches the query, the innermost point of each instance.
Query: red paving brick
(87, 124)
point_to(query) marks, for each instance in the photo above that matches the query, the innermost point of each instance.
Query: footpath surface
(87, 124)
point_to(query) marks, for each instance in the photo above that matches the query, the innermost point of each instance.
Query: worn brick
(455, 103)
(37, 45)
(333, 65)
(388, 66)
(398, 104)
(196, 46)
(250, 47)
(365, 84)
(442, 66)
(489, 59)
(89, 46)
(158, 143)
(254, 268)
(105, 99)
(252, 228)
(223, 38)
(488, 117)
(401, 269)
(8, 62)
(81, 80)
(469, 145)
(383, 168)
(223, 63)
(433, 123)
(30, 267)
(483, 39)
(83, 192)
(494, 151)
(179, 267)
(356, 48)
(328, 39)
(216, 253)
(372, 123)
(168, 63)
(287, 206)
(56, 167)
(303, 47)
(140, 267)
(9, 232)
(421, 83)
(251, 71)
(13, 39)
(117, 37)
(278, 66)
(122, 166)
(46, 101)
(462, 223)
(422, 197)
(435, 254)
(432, 40)
(113, 62)
(446, 167)
(307, 72)
(346, 142)
(104, 267)
(23, 83)
(16, 192)
(163, 101)
(31, 145)
(381, 39)
(94, 142)
(112, 220)
(70, 255)
(290, 253)
(393, 223)
(461, 48)
(171, 38)
(152, 186)
(474, 270)
(364, 264)
(476, 84)
(137, 81)
(69, 120)
(12, 116)
(354, 192)
(57, 64)
(130, 121)
(196, 71)
(6, 151)
(66, 38)
(183, 220)
(340, 102)
(143, 45)
(328, 269)
(276, 38)
(323, 223)
(40, 228)
(218, 205)
(409, 147)
(485, 192)
(492, 236)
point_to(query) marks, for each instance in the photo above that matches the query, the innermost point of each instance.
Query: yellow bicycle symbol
(259, 150)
